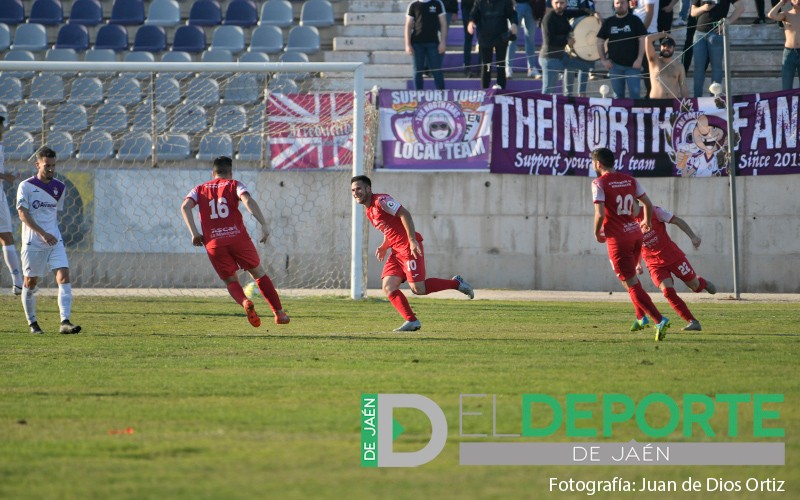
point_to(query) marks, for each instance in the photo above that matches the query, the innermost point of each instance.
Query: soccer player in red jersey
(664, 258)
(406, 262)
(614, 195)
(225, 237)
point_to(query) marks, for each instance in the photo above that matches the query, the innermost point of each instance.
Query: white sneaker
(534, 73)
(679, 22)
(496, 87)
(464, 287)
(409, 326)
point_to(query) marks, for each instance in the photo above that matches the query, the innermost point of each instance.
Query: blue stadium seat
(86, 12)
(141, 56)
(249, 148)
(100, 55)
(230, 38)
(31, 37)
(5, 37)
(303, 39)
(61, 142)
(10, 90)
(150, 38)
(267, 39)
(135, 146)
(46, 12)
(47, 88)
(294, 57)
(202, 91)
(127, 12)
(73, 36)
(96, 145)
(276, 13)
(189, 119)
(168, 90)
(242, 88)
(255, 57)
(112, 36)
(20, 55)
(124, 90)
(189, 39)
(12, 12)
(62, 55)
(317, 13)
(215, 144)
(217, 56)
(29, 117)
(70, 117)
(18, 145)
(143, 118)
(86, 90)
(229, 119)
(173, 147)
(242, 13)
(165, 13)
(256, 118)
(110, 118)
(177, 56)
(282, 84)
(205, 13)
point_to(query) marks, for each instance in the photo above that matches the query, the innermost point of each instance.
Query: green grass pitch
(218, 409)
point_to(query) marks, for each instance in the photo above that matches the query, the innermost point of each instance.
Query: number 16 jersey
(220, 218)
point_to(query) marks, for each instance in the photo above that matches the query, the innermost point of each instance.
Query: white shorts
(36, 262)
(5, 214)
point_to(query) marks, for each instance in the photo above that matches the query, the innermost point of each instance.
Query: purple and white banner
(435, 129)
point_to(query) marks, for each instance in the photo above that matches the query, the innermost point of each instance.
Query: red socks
(400, 302)
(268, 290)
(678, 304)
(235, 289)
(643, 301)
(433, 285)
(702, 285)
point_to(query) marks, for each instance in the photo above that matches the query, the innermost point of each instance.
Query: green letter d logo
(389, 458)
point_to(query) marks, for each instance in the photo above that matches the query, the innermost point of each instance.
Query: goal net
(133, 139)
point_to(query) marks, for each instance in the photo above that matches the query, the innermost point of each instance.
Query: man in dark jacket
(496, 22)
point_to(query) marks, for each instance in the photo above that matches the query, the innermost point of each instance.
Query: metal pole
(731, 160)
(358, 285)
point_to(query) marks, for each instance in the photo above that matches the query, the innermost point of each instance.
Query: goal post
(128, 131)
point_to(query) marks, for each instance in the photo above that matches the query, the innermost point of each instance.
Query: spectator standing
(708, 41)
(791, 48)
(556, 36)
(761, 19)
(625, 34)
(496, 23)
(466, 8)
(576, 66)
(426, 39)
(524, 16)
(647, 11)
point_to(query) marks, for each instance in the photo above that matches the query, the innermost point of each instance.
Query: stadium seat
(189, 119)
(165, 13)
(124, 90)
(255, 57)
(317, 13)
(86, 12)
(267, 39)
(150, 38)
(61, 142)
(205, 13)
(256, 118)
(294, 57)
(62, 55)
(230, 38)
(229, 119)
(283, 85)
(202, 91)
(46, 12)
(242, 88)
(87, 90)
(12, 12)
(96, 145)
(127, 12)
(168, 90)
(110, 118)
(18, 145)
(111, 36)
(70, 117)
(242, 13)
(213, 145)
(5, 37)
(303, 39)
(249, 148)
(29, 117)
(177, 56)
(10, 90)
(135, 146)
(141, 56)
(173, 147)
(217, 56)
(20, 55)
(143, 118)
(100, 55)
(189, 39)
(31, 37)
(73, 36)
(276, 13)
(47, 88)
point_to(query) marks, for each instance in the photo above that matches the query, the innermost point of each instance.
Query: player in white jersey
(38, 201)
(6, 230)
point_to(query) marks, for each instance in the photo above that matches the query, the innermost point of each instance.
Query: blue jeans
(685, 4)
(790, 67)
(576, 65)
(622, 75)
(427, 52)
(707, 46)
(525, 15)
(551, 68)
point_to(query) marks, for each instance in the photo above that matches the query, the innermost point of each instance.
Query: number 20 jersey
(220, 218)
(618, 192)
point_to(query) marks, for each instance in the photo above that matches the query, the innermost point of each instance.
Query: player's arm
(411, 232)
(407, 34)
(599, 215)
(252, 206)
(775, 13)
(443, 33)
(186, 210)
(647, 208)
(380, 252)
(686, 229)
(25, 217)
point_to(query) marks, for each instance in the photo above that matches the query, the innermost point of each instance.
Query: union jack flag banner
(310, 130)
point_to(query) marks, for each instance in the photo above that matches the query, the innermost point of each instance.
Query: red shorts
(404, 265)
(228, 259)
(624, 255)
(680, 268)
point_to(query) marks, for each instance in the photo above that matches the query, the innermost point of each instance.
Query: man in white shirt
(6, 230)
(647, 11)
(39, 199)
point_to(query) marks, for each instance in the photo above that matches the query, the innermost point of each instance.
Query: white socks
(29, 304)
(12, 261)
(65, 300)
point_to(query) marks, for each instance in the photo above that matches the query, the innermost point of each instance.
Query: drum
(585, 29)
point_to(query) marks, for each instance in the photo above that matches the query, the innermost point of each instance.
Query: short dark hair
(45, 152)
(605, 156)
(668, 41)
(361, 178)
(223, 165)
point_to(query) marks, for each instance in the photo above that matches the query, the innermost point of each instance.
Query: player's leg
(270, 294)
(226, 267)
(392, 277)
(34, 263)
(624, 256)
(65, 298)
(10, 254)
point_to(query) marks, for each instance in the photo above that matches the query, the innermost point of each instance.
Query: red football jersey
(382, 213)
(220, 218)
(618, 192)
(657, 247)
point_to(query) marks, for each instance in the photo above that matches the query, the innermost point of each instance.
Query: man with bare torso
(667, 75)
(790, 18)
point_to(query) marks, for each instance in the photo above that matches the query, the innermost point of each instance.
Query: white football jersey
(43, 201)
